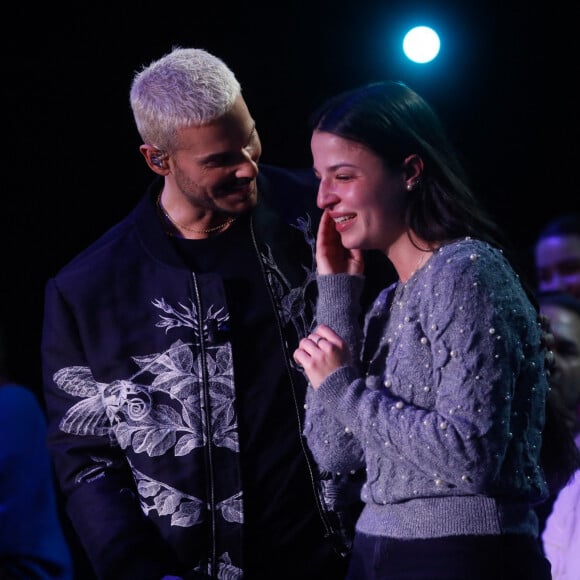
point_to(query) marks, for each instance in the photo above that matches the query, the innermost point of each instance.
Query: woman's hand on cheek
(331, 256)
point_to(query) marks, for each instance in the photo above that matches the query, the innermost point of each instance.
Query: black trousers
(502, 557)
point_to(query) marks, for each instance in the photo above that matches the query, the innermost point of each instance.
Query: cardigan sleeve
(332, 444)
(339, 306)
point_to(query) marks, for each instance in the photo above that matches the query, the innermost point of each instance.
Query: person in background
(441, 393)
(175, 406)
(561, 535)
(556, 269)
(556, 255)
(561, 532)
(563, 312)
(33, 545)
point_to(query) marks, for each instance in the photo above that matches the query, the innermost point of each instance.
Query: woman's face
(363, 197)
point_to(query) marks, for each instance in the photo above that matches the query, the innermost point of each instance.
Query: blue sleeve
(32, 541)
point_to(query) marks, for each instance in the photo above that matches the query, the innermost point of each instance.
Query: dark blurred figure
(557, 255)
(32, 541)
(556, 269)
(561, 530)
(563, 312)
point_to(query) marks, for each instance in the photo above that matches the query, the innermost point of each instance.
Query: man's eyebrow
(224, 154)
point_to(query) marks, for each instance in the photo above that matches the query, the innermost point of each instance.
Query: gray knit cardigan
(446, 409)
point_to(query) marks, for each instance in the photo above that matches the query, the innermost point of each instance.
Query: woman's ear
(413, 170)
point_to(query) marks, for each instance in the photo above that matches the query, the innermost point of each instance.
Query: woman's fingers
(321, 353)
(323, 331)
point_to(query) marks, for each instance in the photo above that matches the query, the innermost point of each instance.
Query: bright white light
(421, 44)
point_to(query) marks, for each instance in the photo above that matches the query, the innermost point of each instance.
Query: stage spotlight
(421, 44)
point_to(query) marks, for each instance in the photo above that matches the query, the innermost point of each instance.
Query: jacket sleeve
(96, 480)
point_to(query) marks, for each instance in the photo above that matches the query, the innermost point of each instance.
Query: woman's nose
(325, 197)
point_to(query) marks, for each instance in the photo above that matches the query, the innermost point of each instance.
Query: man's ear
(155, 159)
(413, 169)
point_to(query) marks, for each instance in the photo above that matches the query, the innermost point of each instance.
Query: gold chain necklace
(228, 222)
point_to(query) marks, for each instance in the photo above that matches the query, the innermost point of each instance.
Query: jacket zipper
(207, 410)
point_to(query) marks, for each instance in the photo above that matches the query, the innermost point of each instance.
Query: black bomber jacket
(127, 331)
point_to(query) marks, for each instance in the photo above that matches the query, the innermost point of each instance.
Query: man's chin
(240, 202)
(246, 198)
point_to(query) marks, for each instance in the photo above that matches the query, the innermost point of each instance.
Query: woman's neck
(410, 254)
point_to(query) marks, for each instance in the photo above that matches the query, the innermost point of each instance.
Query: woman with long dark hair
(441, 394)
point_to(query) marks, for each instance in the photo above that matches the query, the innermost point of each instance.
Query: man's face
(215, 165)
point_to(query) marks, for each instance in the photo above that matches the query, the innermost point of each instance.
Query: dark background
(504, 85)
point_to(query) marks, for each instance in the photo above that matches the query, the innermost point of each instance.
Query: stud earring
(413, 185)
